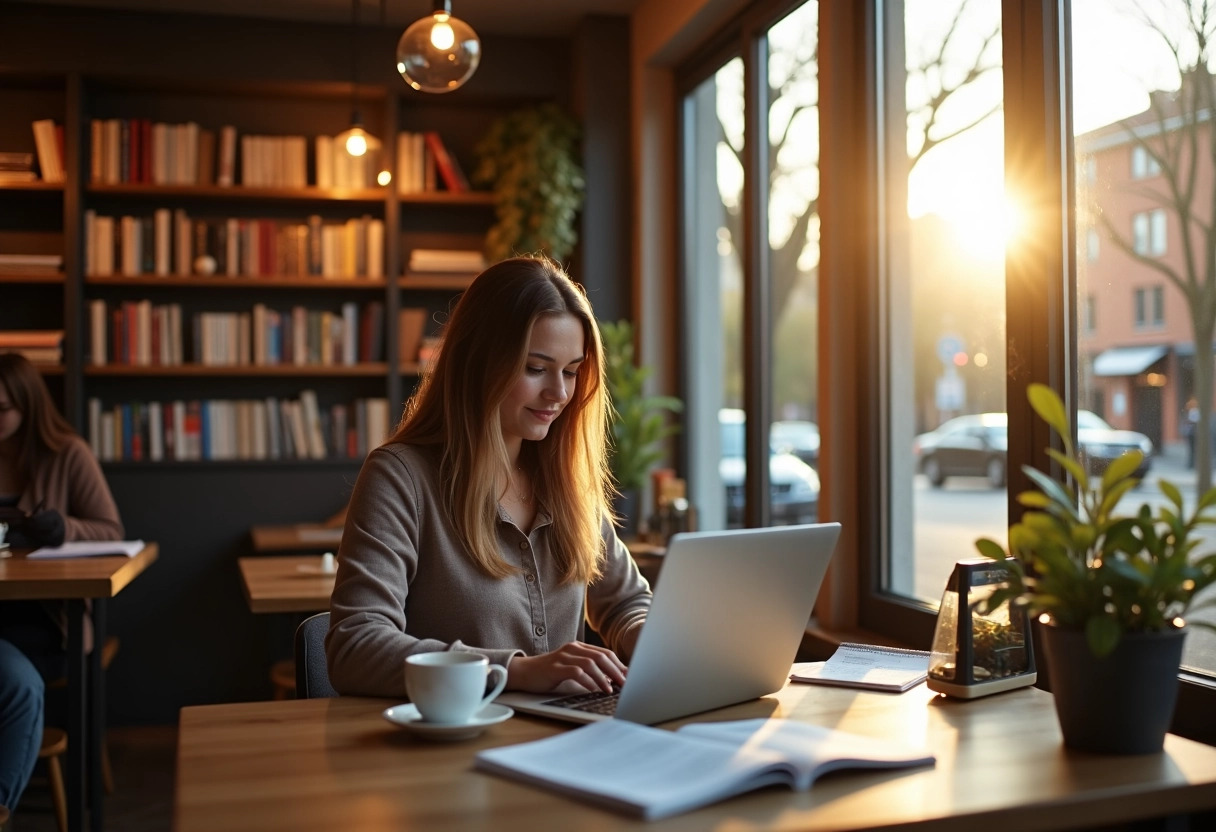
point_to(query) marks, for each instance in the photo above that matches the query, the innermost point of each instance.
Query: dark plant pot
(1119, 704)
(626, 506)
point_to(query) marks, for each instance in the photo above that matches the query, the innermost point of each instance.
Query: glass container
(976, 653)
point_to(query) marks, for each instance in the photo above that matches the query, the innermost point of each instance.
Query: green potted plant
(639, 421)
(530, 157)
(1110, 589)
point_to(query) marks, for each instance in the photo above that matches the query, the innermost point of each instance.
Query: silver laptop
(724, 626)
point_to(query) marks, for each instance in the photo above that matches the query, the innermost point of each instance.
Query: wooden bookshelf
(470, 198)
(435, 281)
(37, 186)
(238, 192)
(342, 284)
(31, 277)
(365, 369)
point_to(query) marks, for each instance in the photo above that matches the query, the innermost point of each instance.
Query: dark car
(977, 446)
(793, 485)
(966, 446)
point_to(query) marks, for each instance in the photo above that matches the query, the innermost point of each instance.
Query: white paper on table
(89, 548)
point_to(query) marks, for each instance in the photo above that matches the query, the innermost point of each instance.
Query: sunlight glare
(986, 230)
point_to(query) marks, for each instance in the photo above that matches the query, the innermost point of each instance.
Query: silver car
(793, 485)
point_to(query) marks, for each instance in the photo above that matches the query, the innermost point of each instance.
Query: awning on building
(1127, 361)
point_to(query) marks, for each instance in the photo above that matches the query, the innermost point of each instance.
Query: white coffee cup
(450, 687)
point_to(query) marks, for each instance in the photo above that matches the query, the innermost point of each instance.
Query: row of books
(236, 429)
(40, 346)
(42, 263)
(456, 261)
(140, 333)
(423, 163)
(17, 166)
(142, 151)
(172, 243)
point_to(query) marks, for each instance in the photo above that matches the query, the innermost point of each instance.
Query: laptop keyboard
(598, 702)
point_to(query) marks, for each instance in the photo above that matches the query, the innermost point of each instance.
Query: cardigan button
(530, 578)
(540, 629)
(523, 547)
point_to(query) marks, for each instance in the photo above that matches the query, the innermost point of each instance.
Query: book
(652, 773)
(49, 160)
(453, 177)
(89, 549)
(868, 666)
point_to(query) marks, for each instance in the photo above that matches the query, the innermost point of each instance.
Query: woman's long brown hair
(456, 406)
(43, 431)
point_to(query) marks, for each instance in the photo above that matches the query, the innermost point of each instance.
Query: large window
(750, 290)
(946, 290)
(1137, 93)
(936, 294)
(713, 199)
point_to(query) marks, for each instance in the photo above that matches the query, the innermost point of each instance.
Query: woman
(483, 524)
(51, 487)
(51, 490)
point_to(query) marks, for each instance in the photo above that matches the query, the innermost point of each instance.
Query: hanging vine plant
(531, 159)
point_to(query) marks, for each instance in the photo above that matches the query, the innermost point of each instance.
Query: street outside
(950, 519)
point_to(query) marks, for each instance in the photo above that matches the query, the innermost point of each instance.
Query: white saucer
(407, 717)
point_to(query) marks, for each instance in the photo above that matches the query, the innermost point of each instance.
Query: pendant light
(438, 53)
(355, 139)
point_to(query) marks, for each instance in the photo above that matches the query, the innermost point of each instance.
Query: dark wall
(187, 634)
(600, 68)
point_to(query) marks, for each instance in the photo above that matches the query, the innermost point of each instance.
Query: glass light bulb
(356, 142)
(383, 177)
(438, 53)
(442, 36)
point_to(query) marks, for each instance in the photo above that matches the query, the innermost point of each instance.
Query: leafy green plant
(531, 159)
(1091, 569)
(639, 420)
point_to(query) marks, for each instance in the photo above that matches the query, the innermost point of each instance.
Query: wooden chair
(283, 677)
(54, 746)
(108, 650)
(312, 673)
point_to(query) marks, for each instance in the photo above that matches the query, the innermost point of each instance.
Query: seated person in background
(483, 525)
(51, 490)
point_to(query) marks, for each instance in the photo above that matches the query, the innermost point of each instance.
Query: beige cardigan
(405, 584)
(72, 483)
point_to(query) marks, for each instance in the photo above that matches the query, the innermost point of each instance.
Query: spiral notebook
(868, 666)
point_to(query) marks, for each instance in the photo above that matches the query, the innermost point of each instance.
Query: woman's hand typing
(589, 667)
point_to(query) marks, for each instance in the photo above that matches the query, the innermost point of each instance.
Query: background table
(300, 537)
(74, 580)
(285, 583)
(336, 764)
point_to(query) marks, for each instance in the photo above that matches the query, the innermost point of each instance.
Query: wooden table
(74, 580)
(300, 537)
(286, 583)
(336, 764)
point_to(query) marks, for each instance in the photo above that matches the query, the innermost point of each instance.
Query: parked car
(977, 446)
(966, 446)
(793, 485)
(1101, 444)
(796, 437)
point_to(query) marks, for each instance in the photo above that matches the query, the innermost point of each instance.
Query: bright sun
(984, 230)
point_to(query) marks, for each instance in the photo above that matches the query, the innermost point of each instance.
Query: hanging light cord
(354, 60)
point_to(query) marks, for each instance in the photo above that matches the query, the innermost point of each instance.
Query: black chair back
(312, 673)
